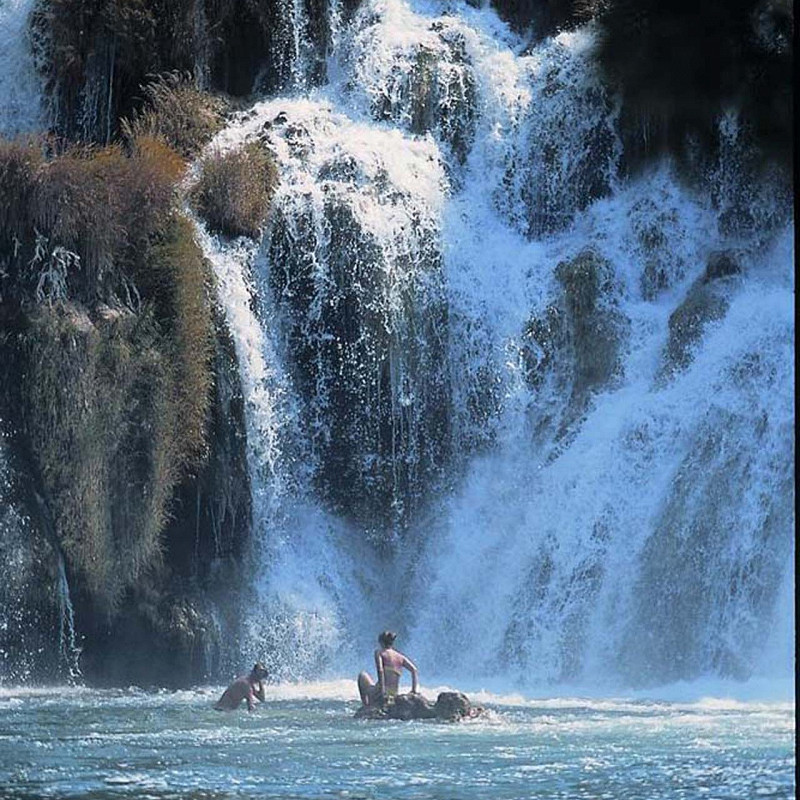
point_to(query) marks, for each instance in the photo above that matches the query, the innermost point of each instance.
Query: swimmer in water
(247, 687)
(389, 664)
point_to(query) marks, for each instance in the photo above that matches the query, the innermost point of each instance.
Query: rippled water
(303, 743)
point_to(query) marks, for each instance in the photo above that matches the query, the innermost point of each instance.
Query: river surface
(304, 743)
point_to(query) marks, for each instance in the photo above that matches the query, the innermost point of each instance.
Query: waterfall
(68, 650)
(535, 415)
(20, 85)
(532, 412)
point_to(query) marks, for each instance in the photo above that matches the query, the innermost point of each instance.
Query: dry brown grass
(234, 191)
(186, 287)
(95, 404)
(110, 367)
(97, 203)
(176, 111)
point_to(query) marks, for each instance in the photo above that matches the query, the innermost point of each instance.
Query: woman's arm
(379, 669)
(409, 665)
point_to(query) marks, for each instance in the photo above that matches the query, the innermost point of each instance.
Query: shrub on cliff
(77, 225)
(95, 54)
(176, 111)
(182, 291)
(94, 406)
(234, 190)
(107, 356)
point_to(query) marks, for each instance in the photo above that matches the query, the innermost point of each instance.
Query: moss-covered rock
(120, 382)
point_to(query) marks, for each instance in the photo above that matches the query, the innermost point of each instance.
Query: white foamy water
(631, 529)
(21, 108)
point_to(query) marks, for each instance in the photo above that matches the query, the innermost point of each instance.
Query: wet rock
(653, 222)
(706, 301)
(429, 86)
(721, 264)
(572, 349)
(567, 154)
(577, 339)
(366, 322)
(449, 707)
(32, 638)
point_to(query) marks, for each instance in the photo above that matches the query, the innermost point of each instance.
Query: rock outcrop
(707, 301)
(573, 348)
(449, 707)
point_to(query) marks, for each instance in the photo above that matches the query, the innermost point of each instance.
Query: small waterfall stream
(20, 84)
(523, 410)
(37, 624)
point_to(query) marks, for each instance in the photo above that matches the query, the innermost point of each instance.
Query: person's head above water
(386, 639)
(259, 671)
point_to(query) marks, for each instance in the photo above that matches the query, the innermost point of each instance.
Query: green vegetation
(95, 403)
(234, 190)
(98, 57)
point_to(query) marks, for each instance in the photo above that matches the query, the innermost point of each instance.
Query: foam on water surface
(304, 742)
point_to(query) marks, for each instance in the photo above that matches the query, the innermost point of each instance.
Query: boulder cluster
(449, 707)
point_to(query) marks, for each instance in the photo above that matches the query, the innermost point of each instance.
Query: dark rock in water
(449, 707)
(721, 264)
(706, 301)
(574, 346)
(455, 705)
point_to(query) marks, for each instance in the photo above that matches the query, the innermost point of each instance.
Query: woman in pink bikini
(389, 663)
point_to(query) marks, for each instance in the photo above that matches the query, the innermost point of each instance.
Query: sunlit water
(303, 742)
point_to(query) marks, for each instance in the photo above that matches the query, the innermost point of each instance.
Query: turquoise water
(304, 743)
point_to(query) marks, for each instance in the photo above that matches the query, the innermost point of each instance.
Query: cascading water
(20, 84)
(37, 626)
(536, 416)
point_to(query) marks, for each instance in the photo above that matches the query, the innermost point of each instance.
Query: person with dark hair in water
(389, 664)
(247, 687)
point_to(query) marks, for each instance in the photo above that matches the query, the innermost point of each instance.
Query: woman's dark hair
(386, 639)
